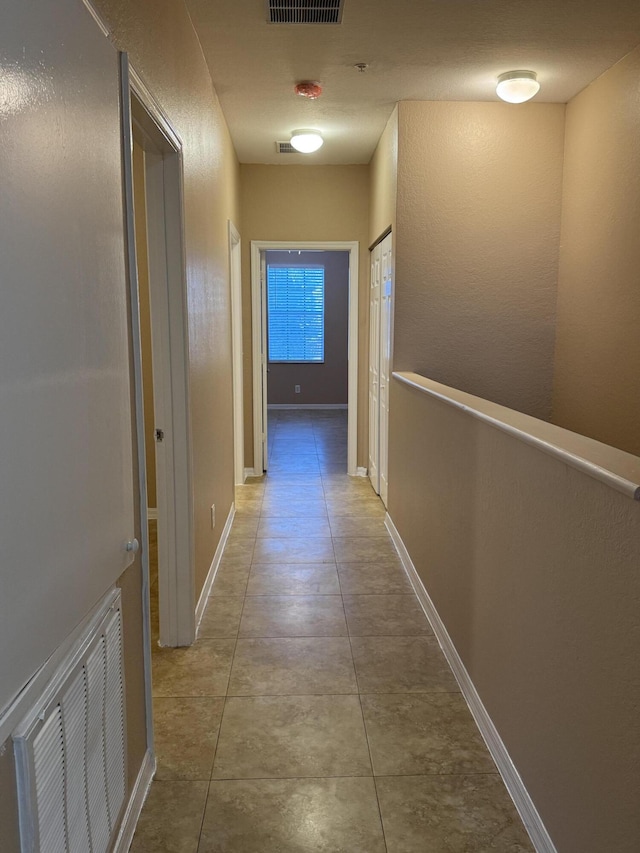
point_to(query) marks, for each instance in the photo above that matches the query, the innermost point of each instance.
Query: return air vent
(70, 750)
(305, 11)
(285, 148)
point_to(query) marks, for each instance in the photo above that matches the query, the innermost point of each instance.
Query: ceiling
(415, 49)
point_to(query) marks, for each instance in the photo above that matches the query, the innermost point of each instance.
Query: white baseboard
(307, 406)
(515, 786)
(135, 804)
(250, 472)
(215, 563)
(152, 513)
(361, 472)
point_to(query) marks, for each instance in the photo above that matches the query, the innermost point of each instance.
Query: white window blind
(295, 311)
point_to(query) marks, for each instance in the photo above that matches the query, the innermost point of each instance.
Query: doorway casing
(258, 336)
(164, 190)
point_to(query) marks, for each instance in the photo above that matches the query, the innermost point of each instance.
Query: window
(295, 311)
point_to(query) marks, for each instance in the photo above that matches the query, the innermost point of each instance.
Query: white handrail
(616, 468)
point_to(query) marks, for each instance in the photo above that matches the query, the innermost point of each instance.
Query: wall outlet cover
(297, 389)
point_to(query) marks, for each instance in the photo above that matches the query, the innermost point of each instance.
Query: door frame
(235, 278)
(176, 571)
(258, 322)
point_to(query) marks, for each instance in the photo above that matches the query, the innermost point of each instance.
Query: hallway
(316, 712)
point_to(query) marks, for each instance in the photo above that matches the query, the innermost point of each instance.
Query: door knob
(133, 546)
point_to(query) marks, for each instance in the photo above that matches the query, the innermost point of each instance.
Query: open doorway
(292, 379)
(153, 176)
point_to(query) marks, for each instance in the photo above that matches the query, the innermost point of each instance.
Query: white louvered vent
(70, 749)
(304, 11)
(285, 148)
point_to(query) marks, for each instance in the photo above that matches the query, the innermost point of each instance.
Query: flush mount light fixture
(517, 86)
(306, 141)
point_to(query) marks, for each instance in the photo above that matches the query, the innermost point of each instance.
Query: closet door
(386, 314)
(374, 371)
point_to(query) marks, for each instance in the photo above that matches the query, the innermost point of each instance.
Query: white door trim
(257, 321)
(176, 576)
(235, 278)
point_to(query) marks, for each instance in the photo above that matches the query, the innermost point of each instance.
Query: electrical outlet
(296, 389)
(213, 516)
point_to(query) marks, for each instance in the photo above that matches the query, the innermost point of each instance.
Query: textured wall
(479, 193)
(318, 203)
(384, 181)
(597, 381)
(326, 382)
(164, 50)
(533, 567)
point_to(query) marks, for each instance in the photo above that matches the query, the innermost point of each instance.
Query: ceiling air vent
(305, 11)
(285, 148)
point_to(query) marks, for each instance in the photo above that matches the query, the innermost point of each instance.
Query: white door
(386, 297)
(374, 371)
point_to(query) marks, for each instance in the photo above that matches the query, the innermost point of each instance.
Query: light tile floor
(316, 712)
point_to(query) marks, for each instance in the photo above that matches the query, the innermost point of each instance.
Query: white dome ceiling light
(306, 141)
(516, 87)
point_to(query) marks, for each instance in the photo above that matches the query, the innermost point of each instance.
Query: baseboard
(215, 563)
(250, 472)
(507, 769)
(135, 804)
(361, 472)
(152, 513)
(276, 406)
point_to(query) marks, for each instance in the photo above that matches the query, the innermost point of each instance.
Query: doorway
(260, 353)
(153, 187)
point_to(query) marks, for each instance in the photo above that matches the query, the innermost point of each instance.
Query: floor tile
(385, 615)
(293, 616)
(317, 549)
(231, 577)
(401, 665)
(221, 617)
(284, 478)
(357, 525)
(248, 509)
(293, 579)
(292, 665)
(171, 818)
(199, 670)
(355, 505)
(423, 733)
(302, 465)
(288, 509)
(384, 578)
(293, 527)
(291, 816)
(450, 814)
(286, 736)
(185, 735)
(240, 547)
(363, 549)
(245, 527)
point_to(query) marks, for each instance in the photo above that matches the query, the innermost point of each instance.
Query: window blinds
(295, 312)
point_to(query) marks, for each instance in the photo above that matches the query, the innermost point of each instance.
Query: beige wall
(164, 50)
(326, 382)
(597, 380)
(478, 210)
(533, 567)
(329, 203)
(384, 181)
(145, 319)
